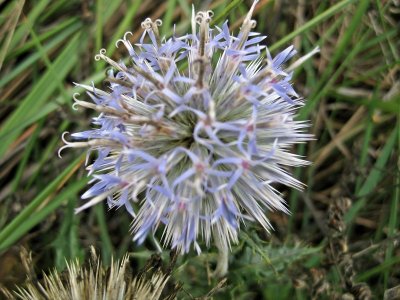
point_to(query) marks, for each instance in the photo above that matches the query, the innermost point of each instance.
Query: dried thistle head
(92, 282)
(200, 126)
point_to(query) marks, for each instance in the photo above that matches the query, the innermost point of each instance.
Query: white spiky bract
(196, 129)
(93, 282)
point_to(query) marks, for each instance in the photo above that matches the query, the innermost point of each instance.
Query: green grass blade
(378, 269)
(169, 14)
(393, 223)
(373, 178)
(327, 78)
(27, 152)
(48, 63)
(310, 24)
(387, 106)
(39, 215)
(119, 32)
(32, 208)
(46, 154)
(26, 64)
(106, 245)
(186, 8)
(39, 94)
(66, 245)
(53, 33)
(222, 16)
(48, 108)
(23, 30)
(99, 28)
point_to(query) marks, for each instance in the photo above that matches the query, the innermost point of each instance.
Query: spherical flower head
(193, 132)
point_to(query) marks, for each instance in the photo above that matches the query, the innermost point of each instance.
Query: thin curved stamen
(88, 144)
(149, 25)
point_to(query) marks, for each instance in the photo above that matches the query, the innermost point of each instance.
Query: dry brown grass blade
(347, 131)
(27, 133)
(14, 86)
(62, 183)
(9, 27)
(338, 142)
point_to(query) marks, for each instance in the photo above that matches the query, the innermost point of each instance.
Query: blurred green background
(347, 216)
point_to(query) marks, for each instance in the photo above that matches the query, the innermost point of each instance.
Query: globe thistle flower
(194, 131)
